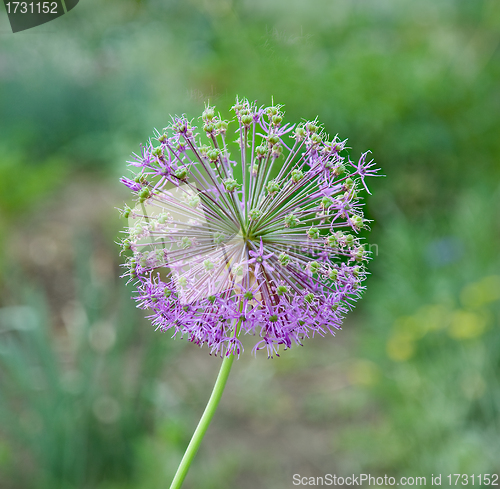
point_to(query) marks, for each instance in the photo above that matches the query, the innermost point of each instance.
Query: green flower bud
(277, 150)
(208, 265)
(144, 194)
(349, 239)
(183, 127)
(193, 201)
(126, 211)
(272, 111)
(326, 202)
(136, 231)
(273, 140)
(309, 297)
(339, 169)
(300, 133)
(213, 154)
(140, 178)
(211, 298)
(186, 242)
(316, 138)
(208, 127)
(311, 128)
(182, 281)
(221, 126)
(333, 240)
(313, 233)
(167, 293)
(208, 114)
(248, 295)
(181, 173)
(332, 274)
(297, 175)
(349, 182)
(246, 119)
(273, 318)
(357, 221)
(231, 184)
(158, 151)
(314, 266)
(284, 259)
(277, 120)
(162, 218)
(218, 238)
(273, 187)
(255, 214)
(291, 220)
(281, 289)
(261, 151)
(204, 150)
(360, 255)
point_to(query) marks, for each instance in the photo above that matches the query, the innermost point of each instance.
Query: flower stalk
(202, 427)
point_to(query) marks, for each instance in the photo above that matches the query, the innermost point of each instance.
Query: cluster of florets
(267, 246)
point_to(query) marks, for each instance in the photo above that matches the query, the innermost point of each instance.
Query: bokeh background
(91, 397)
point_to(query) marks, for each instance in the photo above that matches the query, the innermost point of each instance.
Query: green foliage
(432, 322)
(25, 181)
(76, 402)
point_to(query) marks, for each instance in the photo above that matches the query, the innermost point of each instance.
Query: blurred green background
(91, 397)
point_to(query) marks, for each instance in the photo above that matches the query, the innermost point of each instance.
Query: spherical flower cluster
(266, 246)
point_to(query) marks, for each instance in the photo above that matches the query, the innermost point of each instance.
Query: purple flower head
(264, 244)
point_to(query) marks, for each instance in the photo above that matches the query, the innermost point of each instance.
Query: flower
(268, 245)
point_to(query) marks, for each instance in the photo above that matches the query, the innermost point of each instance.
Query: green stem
(202, 427)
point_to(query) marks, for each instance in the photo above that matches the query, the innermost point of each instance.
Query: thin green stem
(202, 427)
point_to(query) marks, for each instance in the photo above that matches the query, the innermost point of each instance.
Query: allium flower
(268, 245)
